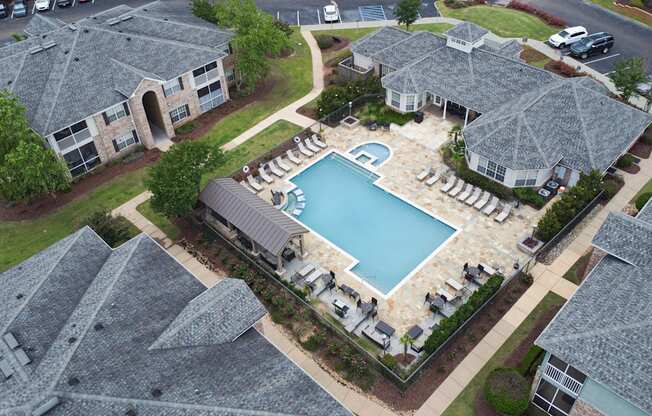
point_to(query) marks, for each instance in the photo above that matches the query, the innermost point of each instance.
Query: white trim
(354, 261)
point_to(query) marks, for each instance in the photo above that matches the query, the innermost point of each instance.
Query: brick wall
(186, 96)
(584, 409)
(106, 134)
(140, 117)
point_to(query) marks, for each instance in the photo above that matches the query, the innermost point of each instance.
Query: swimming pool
(387, 237)
(375, 152)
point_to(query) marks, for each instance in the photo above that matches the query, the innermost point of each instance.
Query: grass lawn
(646, 188)
(161, 221)
(502, 21)
(580, 264)
(534, 57)
(463, 405)
(21, 239)
(640, 16)
(379, 112)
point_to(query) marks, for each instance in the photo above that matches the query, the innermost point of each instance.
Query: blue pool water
(387, 236)
(378, 150)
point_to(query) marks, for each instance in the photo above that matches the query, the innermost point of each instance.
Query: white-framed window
(179, 113)
(205, 73)
(552, 399)
(210, 96)
(409, 102)
(82, 159)
(230, 74)
(420, 102)
(395, 99)
(458, 41)
(124, 141)
(115, 113)
(172, 87)
(491, 169)
(384, 70)
(75, 135)
(526, 178)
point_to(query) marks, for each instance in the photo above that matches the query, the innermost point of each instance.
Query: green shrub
(283, 27)
(507, 391)
(389, 361)
(113, 230)
(336, 97)
(185, 129)
(642, 200)
(610, 188)
(315, 341)
(529, 363)
(625, 161)
(530, 196)
(476, 179)
(449, 325)
(381, 113)
(324, 41)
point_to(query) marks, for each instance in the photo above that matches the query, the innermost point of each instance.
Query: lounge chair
(306, 270)
(275, 170)
(449, 185)
(264, 176)
(248, 188)
(424, 174)
(458, 188)
(474, 198)
(318, 142)
(312, 147)
(254, 183)
(502, 216)
(466, 193)
(281, 164)
(435, 177)
(483, 200)
(491, 207)
(303, 150)
(292, 158)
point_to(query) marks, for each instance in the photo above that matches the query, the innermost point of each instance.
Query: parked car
(64, 3)
(19, 9)
(42, 5)
(645, 88)
(568, 36)
(331, 14)
(3, 10)
(595, 43)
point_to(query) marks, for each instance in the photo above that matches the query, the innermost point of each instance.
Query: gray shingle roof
(71, 81)
(378, 40)
(266, 225)
(40, 24)
(466, 31)
(509, 49)
(99, 360)
(605, 329)
(408, 50)
(569, 120)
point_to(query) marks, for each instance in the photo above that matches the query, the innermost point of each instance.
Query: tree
(406, 340)
(175, 180)
(113, 230)
(30, 170)
(256, 37)
(204, 9)
(627, 75)
(14, 127)
(407, 12)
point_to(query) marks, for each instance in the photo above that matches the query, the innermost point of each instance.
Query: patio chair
(502, 216)
(483, 200)
(312, 147)
(318, 142)
(424, 173)
(292, 158)
(449, 185)
(474, 198)
(264, 176)
(491, 207)
(254, 183)
(275, 170)
(458, 188)
(303, 150)
(281, 164)
(466, 193)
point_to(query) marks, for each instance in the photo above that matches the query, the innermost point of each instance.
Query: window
(125, 141)
(384, 70)
(115, 113)
(396, 100)
(210, 96)
(526, 178)
(230, 74)
(420, 102)
(205, 73)
(72, 136)
(491, 169)
(172, 87)
(552, 399)
(82, 159)
(409, 103)
(179, 113)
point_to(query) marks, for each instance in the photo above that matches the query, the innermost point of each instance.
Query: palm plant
(406, 340)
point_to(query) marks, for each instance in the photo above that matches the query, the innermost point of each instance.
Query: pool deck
(480, 240)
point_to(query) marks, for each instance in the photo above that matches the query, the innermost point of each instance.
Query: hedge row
(448, 326)
(336, 97)
(541, 14)
(530, 196)
(476, 179)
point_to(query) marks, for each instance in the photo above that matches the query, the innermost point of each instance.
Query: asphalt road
(632, 39)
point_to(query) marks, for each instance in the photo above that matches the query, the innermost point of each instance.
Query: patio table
(384, 328)
(306, 269)
(445, 293)
(454, 284)
(415, 332)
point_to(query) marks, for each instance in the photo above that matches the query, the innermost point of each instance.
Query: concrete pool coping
(354, 261)
(369, 155)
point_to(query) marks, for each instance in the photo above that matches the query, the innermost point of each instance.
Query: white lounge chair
(483, 200)
(424, 174)
(439, 173)
(243, 183)
(264, 176)
(275, 170)
(491, 207)
(254, 183)
(306, 270)
(474, 198)
(318, 142)
(311, 146)
(458, 188)
(466, 193)
(304, 151)
(449, 185)
(281, 164)
(502, 216)
(292, 158)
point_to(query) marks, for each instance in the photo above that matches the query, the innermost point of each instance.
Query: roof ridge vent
(113, 21)
(50, 44)
(35, 49)
(48, 405)
(127, 17)
(72, 27)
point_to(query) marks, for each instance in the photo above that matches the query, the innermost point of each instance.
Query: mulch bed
(532, 55)
(629, 3)
(641, 150)
(47, 203)
(632, 169)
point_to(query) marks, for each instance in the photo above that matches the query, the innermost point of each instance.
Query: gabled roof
(40, 24)
(267, 226)
(88, 316)
(533, 132)
(379, 40)
(406, 51)
(466, 31)
(76, 76)
(605, 329)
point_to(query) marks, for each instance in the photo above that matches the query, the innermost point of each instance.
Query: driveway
(632, 39)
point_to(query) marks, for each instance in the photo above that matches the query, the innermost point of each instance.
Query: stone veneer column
(581, 408)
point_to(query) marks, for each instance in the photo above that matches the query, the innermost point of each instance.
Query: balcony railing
(350, 66)
(563, 379)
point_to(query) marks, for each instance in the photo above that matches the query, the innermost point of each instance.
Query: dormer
(465, 37)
